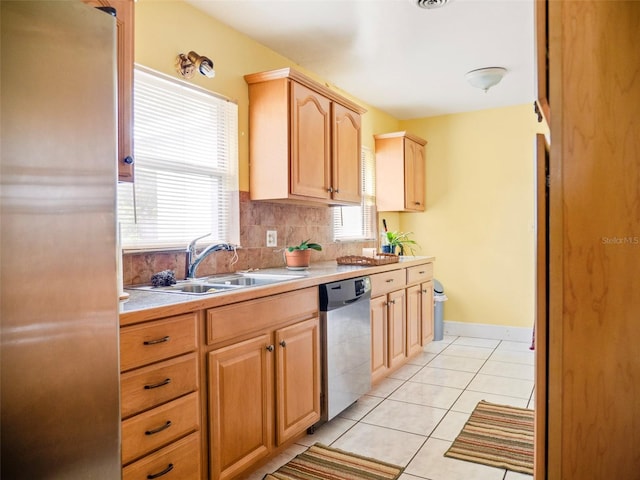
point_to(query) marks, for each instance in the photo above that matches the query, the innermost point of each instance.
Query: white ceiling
(407, 61)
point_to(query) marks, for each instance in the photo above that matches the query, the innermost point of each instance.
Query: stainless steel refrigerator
(59, 301)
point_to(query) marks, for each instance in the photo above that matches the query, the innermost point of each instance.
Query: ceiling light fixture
(485, 78)
(430, 4)
(186, 65)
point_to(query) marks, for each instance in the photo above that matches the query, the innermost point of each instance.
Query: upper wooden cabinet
(304, 141)
(125, 35)
(400, 172)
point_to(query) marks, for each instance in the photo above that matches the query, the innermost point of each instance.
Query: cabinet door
(297, 378)
(310, 143)
(414, 319)
(240, 405)
(347, 163)
(397, 328)
(414, 176)
(426, 312)
(379, 350)
(125, 36)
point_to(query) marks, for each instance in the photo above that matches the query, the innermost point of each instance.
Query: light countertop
(147, 305)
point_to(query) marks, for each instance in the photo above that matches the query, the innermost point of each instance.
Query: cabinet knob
(424, 291)
(128, 160)
(270, 348)
(393, 302)
(283, 343)
(330, 190)
(417, 203)
(337, 190)
(390, 280)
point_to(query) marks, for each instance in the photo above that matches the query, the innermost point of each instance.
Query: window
(186, 180)
(358, 222)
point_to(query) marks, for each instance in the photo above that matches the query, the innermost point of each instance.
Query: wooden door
(297, 378)
(397, 328)
(240, 405)
(594, 241)
(426, 312)
(379, 345)
(310, 143)
(125, 45)
(346, 162)
(414, 319)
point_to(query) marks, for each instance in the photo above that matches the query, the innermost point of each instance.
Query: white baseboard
(479, 330)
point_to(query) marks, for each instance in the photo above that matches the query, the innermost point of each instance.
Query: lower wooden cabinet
(426, 312)
(178, 461)
(262, 392)
(401, 317)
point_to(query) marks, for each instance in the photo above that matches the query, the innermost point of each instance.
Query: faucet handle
(192, 245)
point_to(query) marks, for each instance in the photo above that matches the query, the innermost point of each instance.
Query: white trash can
(438, 310)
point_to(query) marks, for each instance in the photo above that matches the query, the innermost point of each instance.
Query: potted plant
(298, 256)
(399, 240)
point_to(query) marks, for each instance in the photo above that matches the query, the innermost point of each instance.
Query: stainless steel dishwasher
(345, 320)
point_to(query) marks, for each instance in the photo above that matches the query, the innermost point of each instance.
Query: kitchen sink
(220, 283)
(249, 279)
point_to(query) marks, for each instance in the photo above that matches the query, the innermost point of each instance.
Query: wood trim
(402, 134)
(304, 80)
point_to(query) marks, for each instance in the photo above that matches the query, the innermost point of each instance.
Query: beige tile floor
(411, 417)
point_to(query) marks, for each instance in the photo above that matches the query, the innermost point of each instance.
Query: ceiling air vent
(431, 4)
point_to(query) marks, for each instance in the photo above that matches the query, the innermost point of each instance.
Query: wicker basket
(378, 259)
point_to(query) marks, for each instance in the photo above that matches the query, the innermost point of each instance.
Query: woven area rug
(497, 435)
(320, 462)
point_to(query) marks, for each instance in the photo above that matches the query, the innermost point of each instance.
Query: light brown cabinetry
(160, 403)
(401, 317)
(264, 383)
(388, 320)
(400, 172)
(304, 141)
(419, 307)
(125, 45)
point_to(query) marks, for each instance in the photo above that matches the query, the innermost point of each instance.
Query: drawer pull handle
(155, 342)
(393, 302)
(270, 348)
(390, 280)
(166, 381)
(283, 343)
(422, 272)
(151, 476)
(159, 429)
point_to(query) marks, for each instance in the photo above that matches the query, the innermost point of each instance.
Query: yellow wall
(479, 220)
(166, 28)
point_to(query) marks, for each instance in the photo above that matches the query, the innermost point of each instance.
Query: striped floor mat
(497, 435)
(320, 462)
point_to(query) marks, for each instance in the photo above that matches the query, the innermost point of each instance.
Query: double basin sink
(221, 283)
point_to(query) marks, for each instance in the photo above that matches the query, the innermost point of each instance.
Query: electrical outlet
(272, 238)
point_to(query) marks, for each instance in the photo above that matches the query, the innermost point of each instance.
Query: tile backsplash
(294, 223)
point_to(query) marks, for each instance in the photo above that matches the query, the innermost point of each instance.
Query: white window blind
(186, 170)
(358, 222)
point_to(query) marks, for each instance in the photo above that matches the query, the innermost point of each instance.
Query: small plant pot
(297, 258)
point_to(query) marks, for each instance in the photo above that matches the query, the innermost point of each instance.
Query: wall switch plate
(272, 238)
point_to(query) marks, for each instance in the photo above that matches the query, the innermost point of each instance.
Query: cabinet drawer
(420, 273)
(231, 321)
(147, 387)
(150, 342)
(180, 461)
(382, 283)
(159, 427)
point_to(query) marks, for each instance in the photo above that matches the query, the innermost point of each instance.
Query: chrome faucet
(192, 261)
